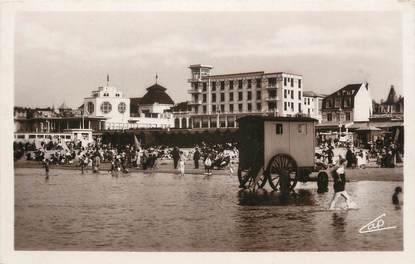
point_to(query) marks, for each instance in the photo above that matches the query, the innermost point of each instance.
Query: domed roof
(156, 94)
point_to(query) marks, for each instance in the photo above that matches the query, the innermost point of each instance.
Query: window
(230, 97)
(204, 109)
(106, 107)
(196, 109)
(292, 106)
(278, 129)
(204, 98)
(328, 104)
(329, 117)
(249, 107)
(222, 108)
(292, 82)
(240, 96)
(272, 106)
(90, 107)
(204, 87)
(285, 93)
(213, 98)
(213, 108)
(272, 82)
(348, 116)
(222, 85)
(299, 108)
(285, 106)
(240, 107)
(259, 107)
(249, 95)
(347, 102)
(292, 94)
(299, 95)
(122, 107)
(213, 86)
(308, 101)
(249, 83)
(285, 81)
(258, 83)
(222, 97)
(305, 100)
(240, 84)
(299, 83)
(196, 97)
(337, 102)
(302, 129)
(196, 85)
(231, 108)
(258, 95)
(230, 85)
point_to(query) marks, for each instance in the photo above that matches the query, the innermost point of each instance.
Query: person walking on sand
(182, 160)
(339, 179)
(176, 156)
(208, 165)
(196, 158)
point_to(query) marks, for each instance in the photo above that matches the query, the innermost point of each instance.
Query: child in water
(339, 179)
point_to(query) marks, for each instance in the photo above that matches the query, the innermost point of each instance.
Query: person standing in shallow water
(395, 197)
(339, 179)
(46, 166)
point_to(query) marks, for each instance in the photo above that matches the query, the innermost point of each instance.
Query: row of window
(338, 102)
(231, 109)
(106, 107)
(290, 93)
(231, 97)
(346, 116)
(107, 94)
(291, 82)
(257, 83)
(291, 106)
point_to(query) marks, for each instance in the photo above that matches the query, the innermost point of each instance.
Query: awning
(387, 124)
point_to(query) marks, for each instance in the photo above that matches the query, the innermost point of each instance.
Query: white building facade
(349, 104)
(218, 100)
(110, 103)
(312, 105)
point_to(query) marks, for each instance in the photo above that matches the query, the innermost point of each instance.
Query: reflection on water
(162, 212)
(274, 198)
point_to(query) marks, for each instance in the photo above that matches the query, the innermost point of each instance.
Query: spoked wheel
(246, 179)
(282, 172)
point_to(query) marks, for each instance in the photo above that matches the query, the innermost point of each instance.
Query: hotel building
(218, 100)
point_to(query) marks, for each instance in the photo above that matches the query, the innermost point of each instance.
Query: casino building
(218, 100)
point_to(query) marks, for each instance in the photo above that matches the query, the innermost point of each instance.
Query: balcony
(194, 91)
(194, 80)
(198, 102)
(272, 99)
(272, 86)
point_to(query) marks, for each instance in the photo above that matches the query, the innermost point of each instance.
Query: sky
(63, 56)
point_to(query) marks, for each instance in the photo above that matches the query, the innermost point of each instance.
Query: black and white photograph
(209, 130)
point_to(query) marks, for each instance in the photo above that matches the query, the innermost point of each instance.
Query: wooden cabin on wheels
(277, 150)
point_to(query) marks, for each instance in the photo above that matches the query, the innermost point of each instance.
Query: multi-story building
(351, 103)
(391, 107)
(312, 105)
(218, 100)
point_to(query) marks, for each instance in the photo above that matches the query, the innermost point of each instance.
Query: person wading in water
(339, 179)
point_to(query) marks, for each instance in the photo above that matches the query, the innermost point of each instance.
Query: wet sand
(166, 166)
